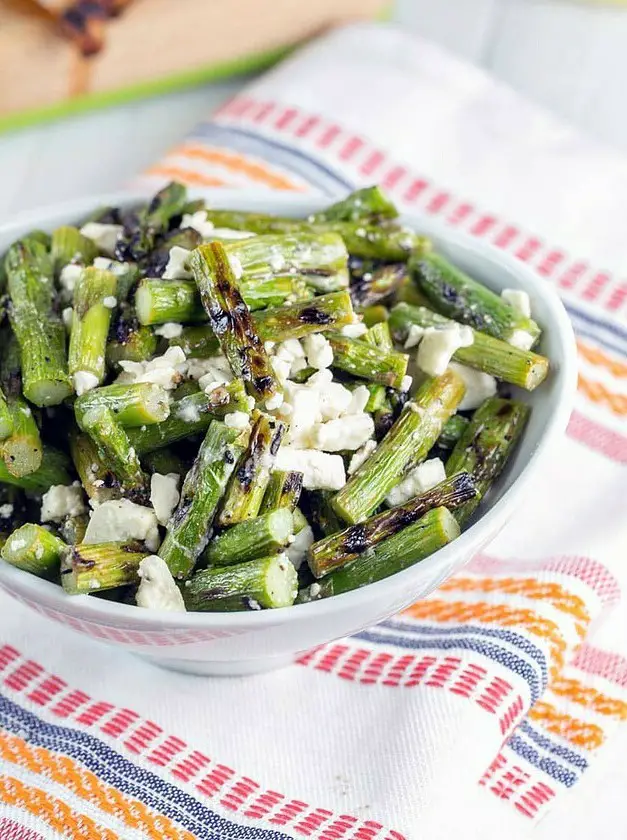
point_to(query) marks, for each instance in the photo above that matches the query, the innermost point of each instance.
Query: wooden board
(155, 42)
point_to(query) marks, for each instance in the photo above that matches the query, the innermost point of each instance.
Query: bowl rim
(97, 610)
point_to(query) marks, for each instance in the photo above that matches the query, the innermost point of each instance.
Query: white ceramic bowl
(244, 643)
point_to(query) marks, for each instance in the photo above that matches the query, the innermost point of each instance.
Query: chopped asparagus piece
(374, 315)
(283, 490)
(320, 259)
(486, 444)
(189, 416)
(129, 341)
(140, 234)
(361, 204)
(338, 549)
(87, 569)
(115, 449)
(68, 245)
(204, 485)
(372, 282)
(259, 537)
(379, 336)
(486, 353)
(53, 470)
(197, 342)
(140, 404)
(458, 296)
(327, 312)
(39, 330)
(97, 477)
(404, 447)
(407, 547)
(94, 300)
(388, 367)
(230, 319)
(453, 429)
(249, 481)
(165, 301)
(73, 528)
(6, 421)
(35, 550)
(269, 582)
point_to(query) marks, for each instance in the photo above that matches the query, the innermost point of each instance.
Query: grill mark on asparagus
(312, 315)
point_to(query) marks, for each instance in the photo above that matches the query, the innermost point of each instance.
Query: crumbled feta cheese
(176, 265)
(321, 471)
(297, 550)
(105, 236)
(275, 401)
(169, 330)
(236, 267)
(110, 302)
(167, 370)
(66, 316)
(318, 351)
(290, 351)
(269, 346)
(157, 588)
(521, 339)
(164, 495)
(479, 386)
(188, 412)
(84, 381)
(304, 411)
(69, 277)
(406, 383)
(414, 336)
(518, 300)
(198, 221)
(354, 330)
(314, 590)
(416, 481)
(281, 369)
(236, 420)
(334, 399)
(361, 456)
(6, 511)
(359, 400)
(438, 346)
(344, 433)
(115, 267)
(61, 501)
(276, 260)
(210, 371)
(120, 520)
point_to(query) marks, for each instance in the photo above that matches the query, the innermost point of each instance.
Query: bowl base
(224, 668)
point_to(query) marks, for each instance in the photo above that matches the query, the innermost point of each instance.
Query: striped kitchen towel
(473, 709)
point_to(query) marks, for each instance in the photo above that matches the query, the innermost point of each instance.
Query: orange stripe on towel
(554, 593)
(578, 732)
(241, 165)
(186, 176)
(601, 395)
(597, 357)
(87, 786)
(590, 698)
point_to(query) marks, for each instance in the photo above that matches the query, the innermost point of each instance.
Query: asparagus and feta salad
(213, 410)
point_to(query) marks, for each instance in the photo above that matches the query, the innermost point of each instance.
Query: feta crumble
(121, 520)
(169, 330)
(61, 501)
(236, 420)
(84, 381)
(361, 456)
(199, 222)
(236, 267)
(321, 471)
(210, 371)
(110, 302)
(164, 495)
(318, 351)
(438, 346)
(479, 386)
(297, 550)
(518, 300)
(521, 339)
(416, 481)
(105, 236)
(115, 267)
(157, 588)
(354, 330)
(343, 433)
(167, 370)
(406, 383)
(6, 511)
(66, 317)
(176, 266)
(69, 277)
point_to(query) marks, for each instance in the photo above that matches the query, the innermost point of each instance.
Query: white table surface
(567, 56)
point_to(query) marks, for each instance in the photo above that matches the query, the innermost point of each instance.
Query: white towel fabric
(470, 713)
